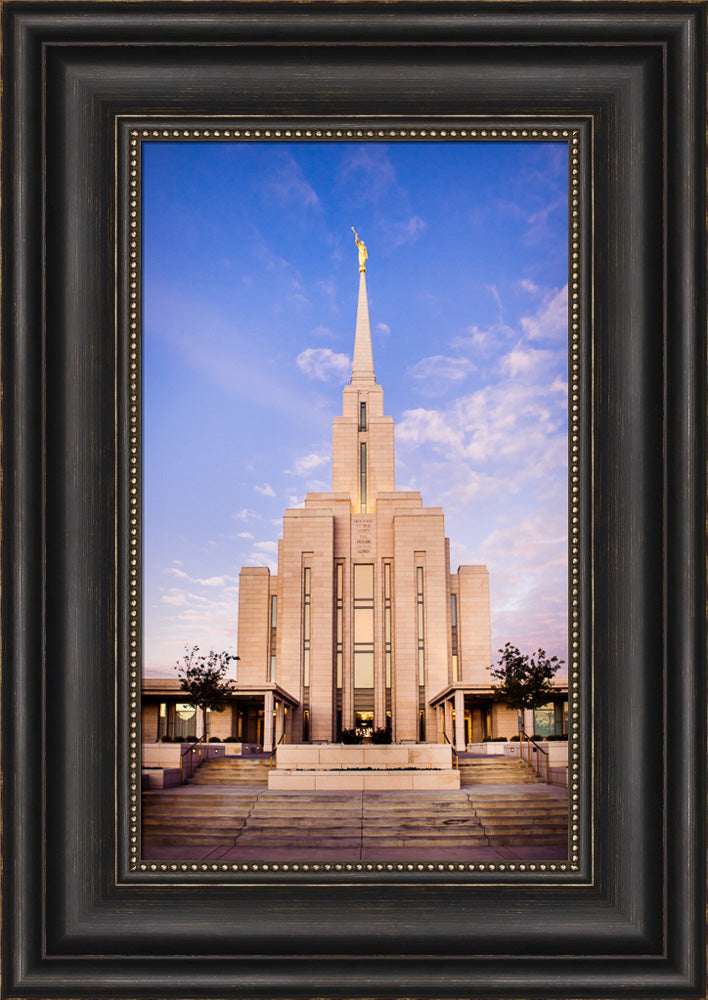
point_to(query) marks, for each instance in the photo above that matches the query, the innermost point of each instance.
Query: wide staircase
(232, 771)
(360, 820)
(495, 770)
(226, 811)
(194, 817)
(529, 820)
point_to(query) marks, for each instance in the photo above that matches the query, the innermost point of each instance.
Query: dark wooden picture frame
(79, 919)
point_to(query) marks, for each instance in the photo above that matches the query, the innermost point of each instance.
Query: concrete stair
(512, 818)
(190, 817)
(447, 821)
(289, 820)
(232, 771)
(495, 771)
(228, 808)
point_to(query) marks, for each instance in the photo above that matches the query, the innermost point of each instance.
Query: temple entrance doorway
(249, 723)
(364, 724)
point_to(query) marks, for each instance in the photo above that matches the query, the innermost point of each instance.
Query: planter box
(359, 780)
(380, 757)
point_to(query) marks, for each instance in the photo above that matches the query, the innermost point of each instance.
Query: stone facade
(364, 626)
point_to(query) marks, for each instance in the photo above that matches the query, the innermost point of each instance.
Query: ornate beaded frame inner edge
(534, 129)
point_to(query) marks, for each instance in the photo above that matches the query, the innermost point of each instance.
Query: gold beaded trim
(137, 135)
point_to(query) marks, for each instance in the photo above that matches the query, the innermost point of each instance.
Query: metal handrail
(537, 762)
(190, 750)
(455, 757)
(272, 753)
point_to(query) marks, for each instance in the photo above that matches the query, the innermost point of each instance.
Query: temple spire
(363, 363)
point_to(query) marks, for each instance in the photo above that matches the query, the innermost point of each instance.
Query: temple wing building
(364, 626)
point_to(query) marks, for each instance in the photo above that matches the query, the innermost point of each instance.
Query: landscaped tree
(525, 680)
(203, 679)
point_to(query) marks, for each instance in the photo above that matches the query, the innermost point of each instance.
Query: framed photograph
(356, 728)
(125, 127)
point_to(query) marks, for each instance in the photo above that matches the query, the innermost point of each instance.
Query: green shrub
(381, 736)
(349, 736)
(215, 739)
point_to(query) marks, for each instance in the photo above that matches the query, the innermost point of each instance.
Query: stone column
(460, 743)
(278, 723)
(268, 703)
(447, 716)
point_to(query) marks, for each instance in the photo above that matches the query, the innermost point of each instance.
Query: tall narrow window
(420, 609)
(362, 476)
(362, 416)
(273, 625)
(363, 625)
(387, 627)
(453, 625)
(339, 625)
(306, 616)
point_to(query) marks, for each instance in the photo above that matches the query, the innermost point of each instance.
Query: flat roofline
(478, 689)
(171, 686)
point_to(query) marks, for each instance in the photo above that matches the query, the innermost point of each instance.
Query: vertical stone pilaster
(447, 715)
(268, 721)
(460, 742)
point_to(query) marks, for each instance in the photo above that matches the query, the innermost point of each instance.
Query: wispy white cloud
(306, 463)
(514, 430)
(214, 581)
(323, 331)
(383, 328)
(408, 231)
(328, 289)
(369, 168)
(287, 183)
(297, 293)
(323, 364)
(175, 571)
(174, 596)
(245, 514)
(266, 490)
(494, 292)
(264, 554)
(266, 546)
(523, 360)
(550, 321)
(539, 222)
(438, 371)
(527, 561)
(245, 534)
(484, 341)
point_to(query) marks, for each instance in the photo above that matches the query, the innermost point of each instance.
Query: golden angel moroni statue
(362, 250)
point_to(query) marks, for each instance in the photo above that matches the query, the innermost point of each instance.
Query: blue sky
(250, 280)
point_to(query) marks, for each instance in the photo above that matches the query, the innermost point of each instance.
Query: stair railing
(455, 758)
(271, 759)
(189, 752)
(537, 760)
